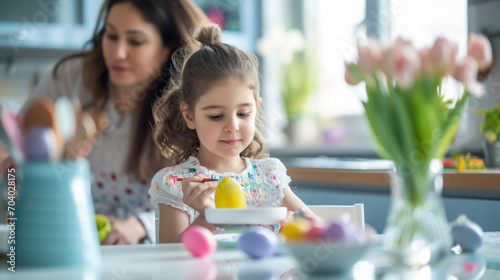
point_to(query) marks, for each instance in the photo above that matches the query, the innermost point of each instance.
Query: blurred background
(302, 46)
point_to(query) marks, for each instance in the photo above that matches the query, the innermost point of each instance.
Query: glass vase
(416, 232)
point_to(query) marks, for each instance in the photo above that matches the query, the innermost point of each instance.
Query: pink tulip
(349, 77)
(369, 57)
(400, 41)
(466, 73)
(443, 55)
(401, 61)
(426, 60)
(480, 50)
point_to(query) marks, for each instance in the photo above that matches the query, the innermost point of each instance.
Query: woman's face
(132, 47)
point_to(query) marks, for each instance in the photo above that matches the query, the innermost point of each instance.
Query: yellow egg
(296, 229)
(229, 194)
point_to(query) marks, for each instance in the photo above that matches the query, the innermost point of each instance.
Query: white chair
(157, 224)
(331, 212)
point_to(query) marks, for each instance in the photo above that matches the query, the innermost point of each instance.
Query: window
(336, 25)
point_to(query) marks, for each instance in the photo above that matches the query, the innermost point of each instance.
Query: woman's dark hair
(199, 66)
(174, 20)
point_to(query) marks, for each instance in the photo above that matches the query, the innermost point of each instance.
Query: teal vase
(55, 223)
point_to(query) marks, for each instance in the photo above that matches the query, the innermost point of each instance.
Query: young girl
(209, 123)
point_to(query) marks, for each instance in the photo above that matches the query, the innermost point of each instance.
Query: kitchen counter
(373, 174)
(345, 181)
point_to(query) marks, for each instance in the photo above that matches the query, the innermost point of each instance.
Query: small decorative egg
(315, 233)
(199, 241)
(296, 229)
(339, 232)
(40, 143)
(104, 227)
(258, 242)
(468, 235)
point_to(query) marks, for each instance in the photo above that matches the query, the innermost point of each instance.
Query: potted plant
(296, 76)
(298, 84)
(490, 127)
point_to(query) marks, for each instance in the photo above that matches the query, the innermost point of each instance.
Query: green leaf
(450, 126)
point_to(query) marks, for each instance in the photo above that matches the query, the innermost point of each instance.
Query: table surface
(171, 261)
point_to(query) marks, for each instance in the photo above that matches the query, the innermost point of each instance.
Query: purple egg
(258, 242)
(40, 143)
(338, 232)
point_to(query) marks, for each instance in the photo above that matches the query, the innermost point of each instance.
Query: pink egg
(315, 233)
(199, 241)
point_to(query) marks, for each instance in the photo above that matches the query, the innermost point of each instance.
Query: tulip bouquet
(411, 121)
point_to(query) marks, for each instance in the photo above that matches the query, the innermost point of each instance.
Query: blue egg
(468, 235)
(40, 143)
(258, 242)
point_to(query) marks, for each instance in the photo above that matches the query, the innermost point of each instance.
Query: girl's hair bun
(208, 34)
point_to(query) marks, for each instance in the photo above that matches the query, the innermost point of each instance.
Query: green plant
(490, 127)
(298, 83)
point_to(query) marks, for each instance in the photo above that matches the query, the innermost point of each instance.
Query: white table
(171, 261)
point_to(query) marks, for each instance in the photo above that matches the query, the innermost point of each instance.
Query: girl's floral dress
(263, 182)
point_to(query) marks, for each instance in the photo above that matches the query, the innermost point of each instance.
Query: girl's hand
(125, 231)
(198, 195)
(288, 219)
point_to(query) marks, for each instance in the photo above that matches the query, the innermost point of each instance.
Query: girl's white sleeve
(167, 190)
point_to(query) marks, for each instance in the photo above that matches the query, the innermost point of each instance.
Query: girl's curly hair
(203, 63)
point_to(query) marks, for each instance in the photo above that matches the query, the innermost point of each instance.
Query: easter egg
(199, 241)
(315, 233)
(258, 242)
(296, 229)
(42, 113)
(40, 143)
(103, 227)
(468, 235)
(229, 194)
(339, 232)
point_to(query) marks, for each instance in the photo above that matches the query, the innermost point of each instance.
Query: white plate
(262, 216)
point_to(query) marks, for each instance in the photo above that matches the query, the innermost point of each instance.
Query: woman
(122, 75)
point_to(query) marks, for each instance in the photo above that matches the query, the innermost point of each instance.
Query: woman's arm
(125, 231)
(173, 222)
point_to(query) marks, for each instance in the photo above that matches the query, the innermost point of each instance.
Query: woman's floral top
(263, 182)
